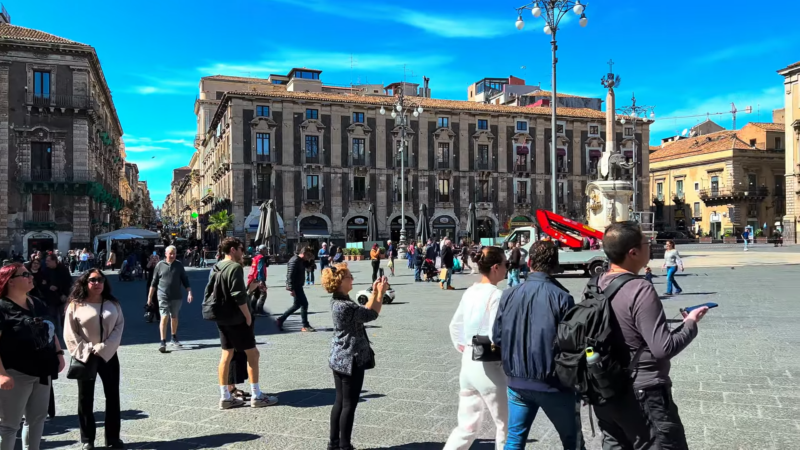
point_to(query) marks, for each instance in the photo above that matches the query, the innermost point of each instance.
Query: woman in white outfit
(483, 384)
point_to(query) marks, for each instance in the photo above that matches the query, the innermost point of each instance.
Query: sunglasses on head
(23, 275)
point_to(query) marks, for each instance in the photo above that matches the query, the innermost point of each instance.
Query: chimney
(4, 16)
(425, 92)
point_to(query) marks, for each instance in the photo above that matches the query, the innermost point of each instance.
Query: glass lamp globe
(383, 111)
(394, 114)
(622, 121)
(644, 119)
(416, 114)
(548, 30)
(634, 115)
(578, 9)
(399, 107)
(536, 11)
(652, 116)
(419, 110)
(584, 21)
(520, 24)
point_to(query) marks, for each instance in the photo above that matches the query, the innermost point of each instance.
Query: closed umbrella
(423, 227)
(262, 223)
(472, 223)
(372, 225)
(272, 232)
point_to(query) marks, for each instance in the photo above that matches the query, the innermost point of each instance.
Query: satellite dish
(683, 133)
(617, 81)
(694, 132)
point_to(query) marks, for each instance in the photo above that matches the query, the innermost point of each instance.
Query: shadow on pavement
(313, 398)
(58, 424)
(56, 444)
(212, 441)
(480, 444)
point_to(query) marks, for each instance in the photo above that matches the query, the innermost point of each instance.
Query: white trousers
(483, 387)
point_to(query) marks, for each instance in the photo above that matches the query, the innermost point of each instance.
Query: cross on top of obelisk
(610, 66)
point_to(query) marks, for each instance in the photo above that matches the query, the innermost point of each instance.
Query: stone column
(610, 118)
(80, 220)
(80, 146)
(4, 163)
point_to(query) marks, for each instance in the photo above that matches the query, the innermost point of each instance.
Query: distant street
(737, 385)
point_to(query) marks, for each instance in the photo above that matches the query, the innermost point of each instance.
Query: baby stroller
(126, 272)
(429, 270)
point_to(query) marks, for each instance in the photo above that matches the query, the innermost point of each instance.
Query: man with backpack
(615, 349)
(525, 329)
(258, 272)
(225, 303)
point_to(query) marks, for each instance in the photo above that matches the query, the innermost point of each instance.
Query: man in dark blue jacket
(525, 331)
(295, 280)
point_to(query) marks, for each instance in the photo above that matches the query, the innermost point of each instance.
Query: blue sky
(683, 57)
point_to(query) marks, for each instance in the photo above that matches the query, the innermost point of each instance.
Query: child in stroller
(126, 272)
(429, 270)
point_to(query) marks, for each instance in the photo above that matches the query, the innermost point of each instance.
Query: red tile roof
(769, 126)
(426, 103)
(700, 145)
(790, 66)
(548, 94)
(8, 31)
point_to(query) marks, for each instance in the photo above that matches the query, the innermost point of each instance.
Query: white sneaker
(263, 400)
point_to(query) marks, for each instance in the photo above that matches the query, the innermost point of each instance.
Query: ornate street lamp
(402, 108)
(552, 11)
(635, 114)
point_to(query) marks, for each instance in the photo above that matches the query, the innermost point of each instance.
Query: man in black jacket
(525, 329)
(295, 280)
(56, 284)
(447, 263)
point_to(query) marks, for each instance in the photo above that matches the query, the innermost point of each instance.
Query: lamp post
(400, 107)
(635, 113)
(552, 11)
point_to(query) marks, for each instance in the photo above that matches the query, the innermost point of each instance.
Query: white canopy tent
(124, 234)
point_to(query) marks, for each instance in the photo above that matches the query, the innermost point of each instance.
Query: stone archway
(491, 217)
(445, 224)
(325, 218)
(46, 237)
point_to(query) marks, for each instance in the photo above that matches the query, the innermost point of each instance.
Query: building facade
(791, 115)
(325, 157)
(720, 182)
(61, 156)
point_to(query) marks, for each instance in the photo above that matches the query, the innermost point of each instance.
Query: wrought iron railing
(520, 167)
(483, 165)
(263, 158)
(51, 175)
(59, 100)
(39, 216)
(723, 192)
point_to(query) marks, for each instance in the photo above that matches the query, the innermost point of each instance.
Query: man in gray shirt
(647, 417)
(169, 280)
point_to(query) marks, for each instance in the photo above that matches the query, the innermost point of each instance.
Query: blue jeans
(562, 408)
(513, 277)
(418, 273)
(448, 277)
(671, 280)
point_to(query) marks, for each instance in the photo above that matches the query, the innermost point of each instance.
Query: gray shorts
(170, 308)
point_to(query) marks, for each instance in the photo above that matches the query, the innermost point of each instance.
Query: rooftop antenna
(353, 63)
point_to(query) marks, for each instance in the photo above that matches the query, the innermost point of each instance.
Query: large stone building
(60, 148)
(324, 154)
(720, 182)
(791, 114)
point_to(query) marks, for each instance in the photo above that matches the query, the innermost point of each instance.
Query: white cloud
(746, 50)
(144, 148)
(449, 24)
(673, 122)
(144, 143)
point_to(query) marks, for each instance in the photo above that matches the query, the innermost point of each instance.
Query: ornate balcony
(39, 219)
(60, 101)
(724, 196)
(679, 198)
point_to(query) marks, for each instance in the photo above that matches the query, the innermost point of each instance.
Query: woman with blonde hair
(483, 384)
(351, 354)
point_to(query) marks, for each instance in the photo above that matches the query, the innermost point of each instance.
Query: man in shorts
(236, 334)
(169, 278)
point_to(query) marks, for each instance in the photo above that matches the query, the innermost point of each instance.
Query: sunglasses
(23, 275)
(96, 280)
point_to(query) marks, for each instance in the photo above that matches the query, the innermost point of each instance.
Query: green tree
(220, 223)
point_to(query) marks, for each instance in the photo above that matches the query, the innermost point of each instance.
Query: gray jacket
(350, 344)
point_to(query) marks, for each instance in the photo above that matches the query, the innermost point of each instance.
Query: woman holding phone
(351, 354)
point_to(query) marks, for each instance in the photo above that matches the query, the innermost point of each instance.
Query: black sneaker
(279, 323)
(116, 445)
(163, 347)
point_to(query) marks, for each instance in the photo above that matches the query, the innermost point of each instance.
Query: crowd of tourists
(525, 348)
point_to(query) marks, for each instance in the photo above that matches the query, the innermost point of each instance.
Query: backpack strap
(610, 291)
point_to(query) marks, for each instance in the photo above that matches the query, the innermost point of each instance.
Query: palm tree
(220, 223)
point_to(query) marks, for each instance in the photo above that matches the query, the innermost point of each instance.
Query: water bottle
(591, 357)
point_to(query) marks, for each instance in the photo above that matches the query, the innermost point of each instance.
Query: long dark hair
(80, 290)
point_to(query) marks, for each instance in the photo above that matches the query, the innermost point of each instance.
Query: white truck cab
(589, 261)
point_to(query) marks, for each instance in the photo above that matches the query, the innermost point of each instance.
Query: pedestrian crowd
(526, 348)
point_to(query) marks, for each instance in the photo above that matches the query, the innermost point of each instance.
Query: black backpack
(217, 307)
(588, 324)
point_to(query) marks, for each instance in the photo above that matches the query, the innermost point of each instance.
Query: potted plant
(728, 238)
(359, 254)
(706, 238)
(348, 252)
(760, 238)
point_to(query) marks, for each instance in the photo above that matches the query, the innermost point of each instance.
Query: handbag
(483, 349)
(86, 371)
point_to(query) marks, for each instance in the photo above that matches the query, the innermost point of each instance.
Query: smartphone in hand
(380, 272)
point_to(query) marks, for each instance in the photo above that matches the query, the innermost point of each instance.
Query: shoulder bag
(86, 371)
(482, 347)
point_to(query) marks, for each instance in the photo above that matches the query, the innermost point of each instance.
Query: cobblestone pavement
(737, 385)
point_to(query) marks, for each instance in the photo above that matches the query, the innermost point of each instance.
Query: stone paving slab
(737, 385)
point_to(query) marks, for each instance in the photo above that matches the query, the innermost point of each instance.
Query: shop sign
(41, 236)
